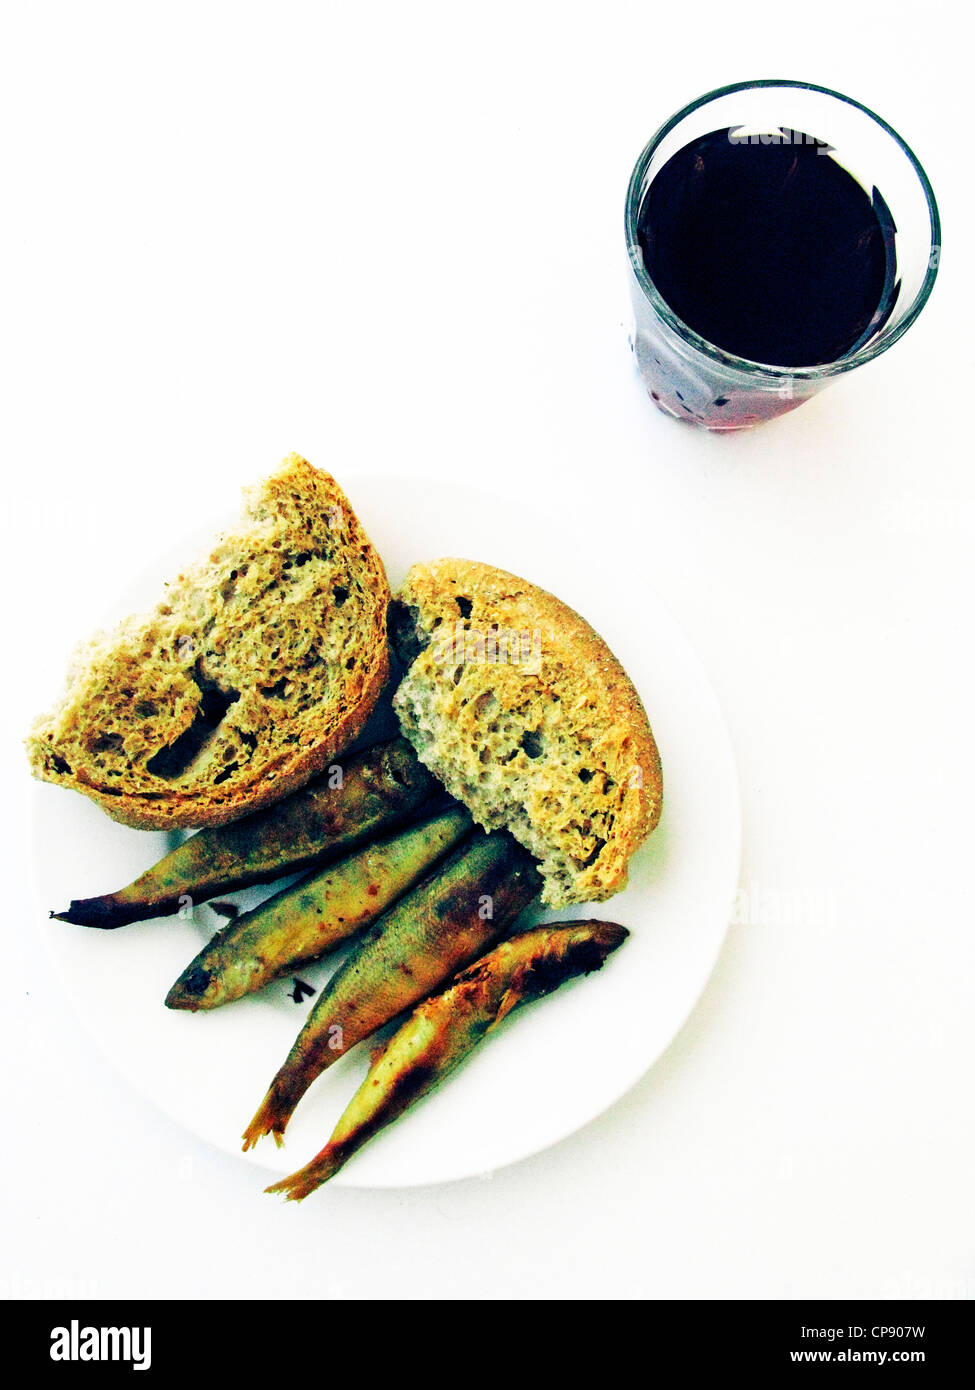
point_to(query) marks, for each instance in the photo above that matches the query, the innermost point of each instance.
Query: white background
(391, 238)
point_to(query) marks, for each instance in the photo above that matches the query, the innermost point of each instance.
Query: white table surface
(394, 241)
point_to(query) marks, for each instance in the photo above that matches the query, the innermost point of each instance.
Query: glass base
(707, 395)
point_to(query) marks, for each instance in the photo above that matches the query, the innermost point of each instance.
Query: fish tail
(271, 1118)
(297, 1186)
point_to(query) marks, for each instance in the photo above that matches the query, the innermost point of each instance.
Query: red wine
(771, 251)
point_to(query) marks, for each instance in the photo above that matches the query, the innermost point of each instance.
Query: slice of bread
(262, 662)
(525, 715)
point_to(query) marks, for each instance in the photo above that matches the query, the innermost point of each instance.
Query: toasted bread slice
(262, 662)
(525, 715)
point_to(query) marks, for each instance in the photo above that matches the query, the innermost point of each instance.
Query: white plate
(553, 1066)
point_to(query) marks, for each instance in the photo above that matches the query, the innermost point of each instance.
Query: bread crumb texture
(262, 661)
(554, 745)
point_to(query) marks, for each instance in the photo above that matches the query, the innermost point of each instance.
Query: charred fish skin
(447, 921)
(368, 793)
(315, 916)
(445, 1029)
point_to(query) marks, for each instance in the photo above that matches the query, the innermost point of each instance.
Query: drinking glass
(692, 379)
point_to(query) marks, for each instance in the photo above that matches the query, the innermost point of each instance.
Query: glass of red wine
(779, 234)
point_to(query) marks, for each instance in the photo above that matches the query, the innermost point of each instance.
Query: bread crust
(304, 489)
(577, 672)
(287, 776)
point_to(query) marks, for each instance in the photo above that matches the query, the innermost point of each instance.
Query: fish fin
(268, 1120)
(297, 1186)
(223, 909)
(509, 1000)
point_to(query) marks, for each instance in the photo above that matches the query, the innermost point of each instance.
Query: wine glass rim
(884, 339)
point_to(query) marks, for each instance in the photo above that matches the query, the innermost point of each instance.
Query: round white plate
(552, 1066)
